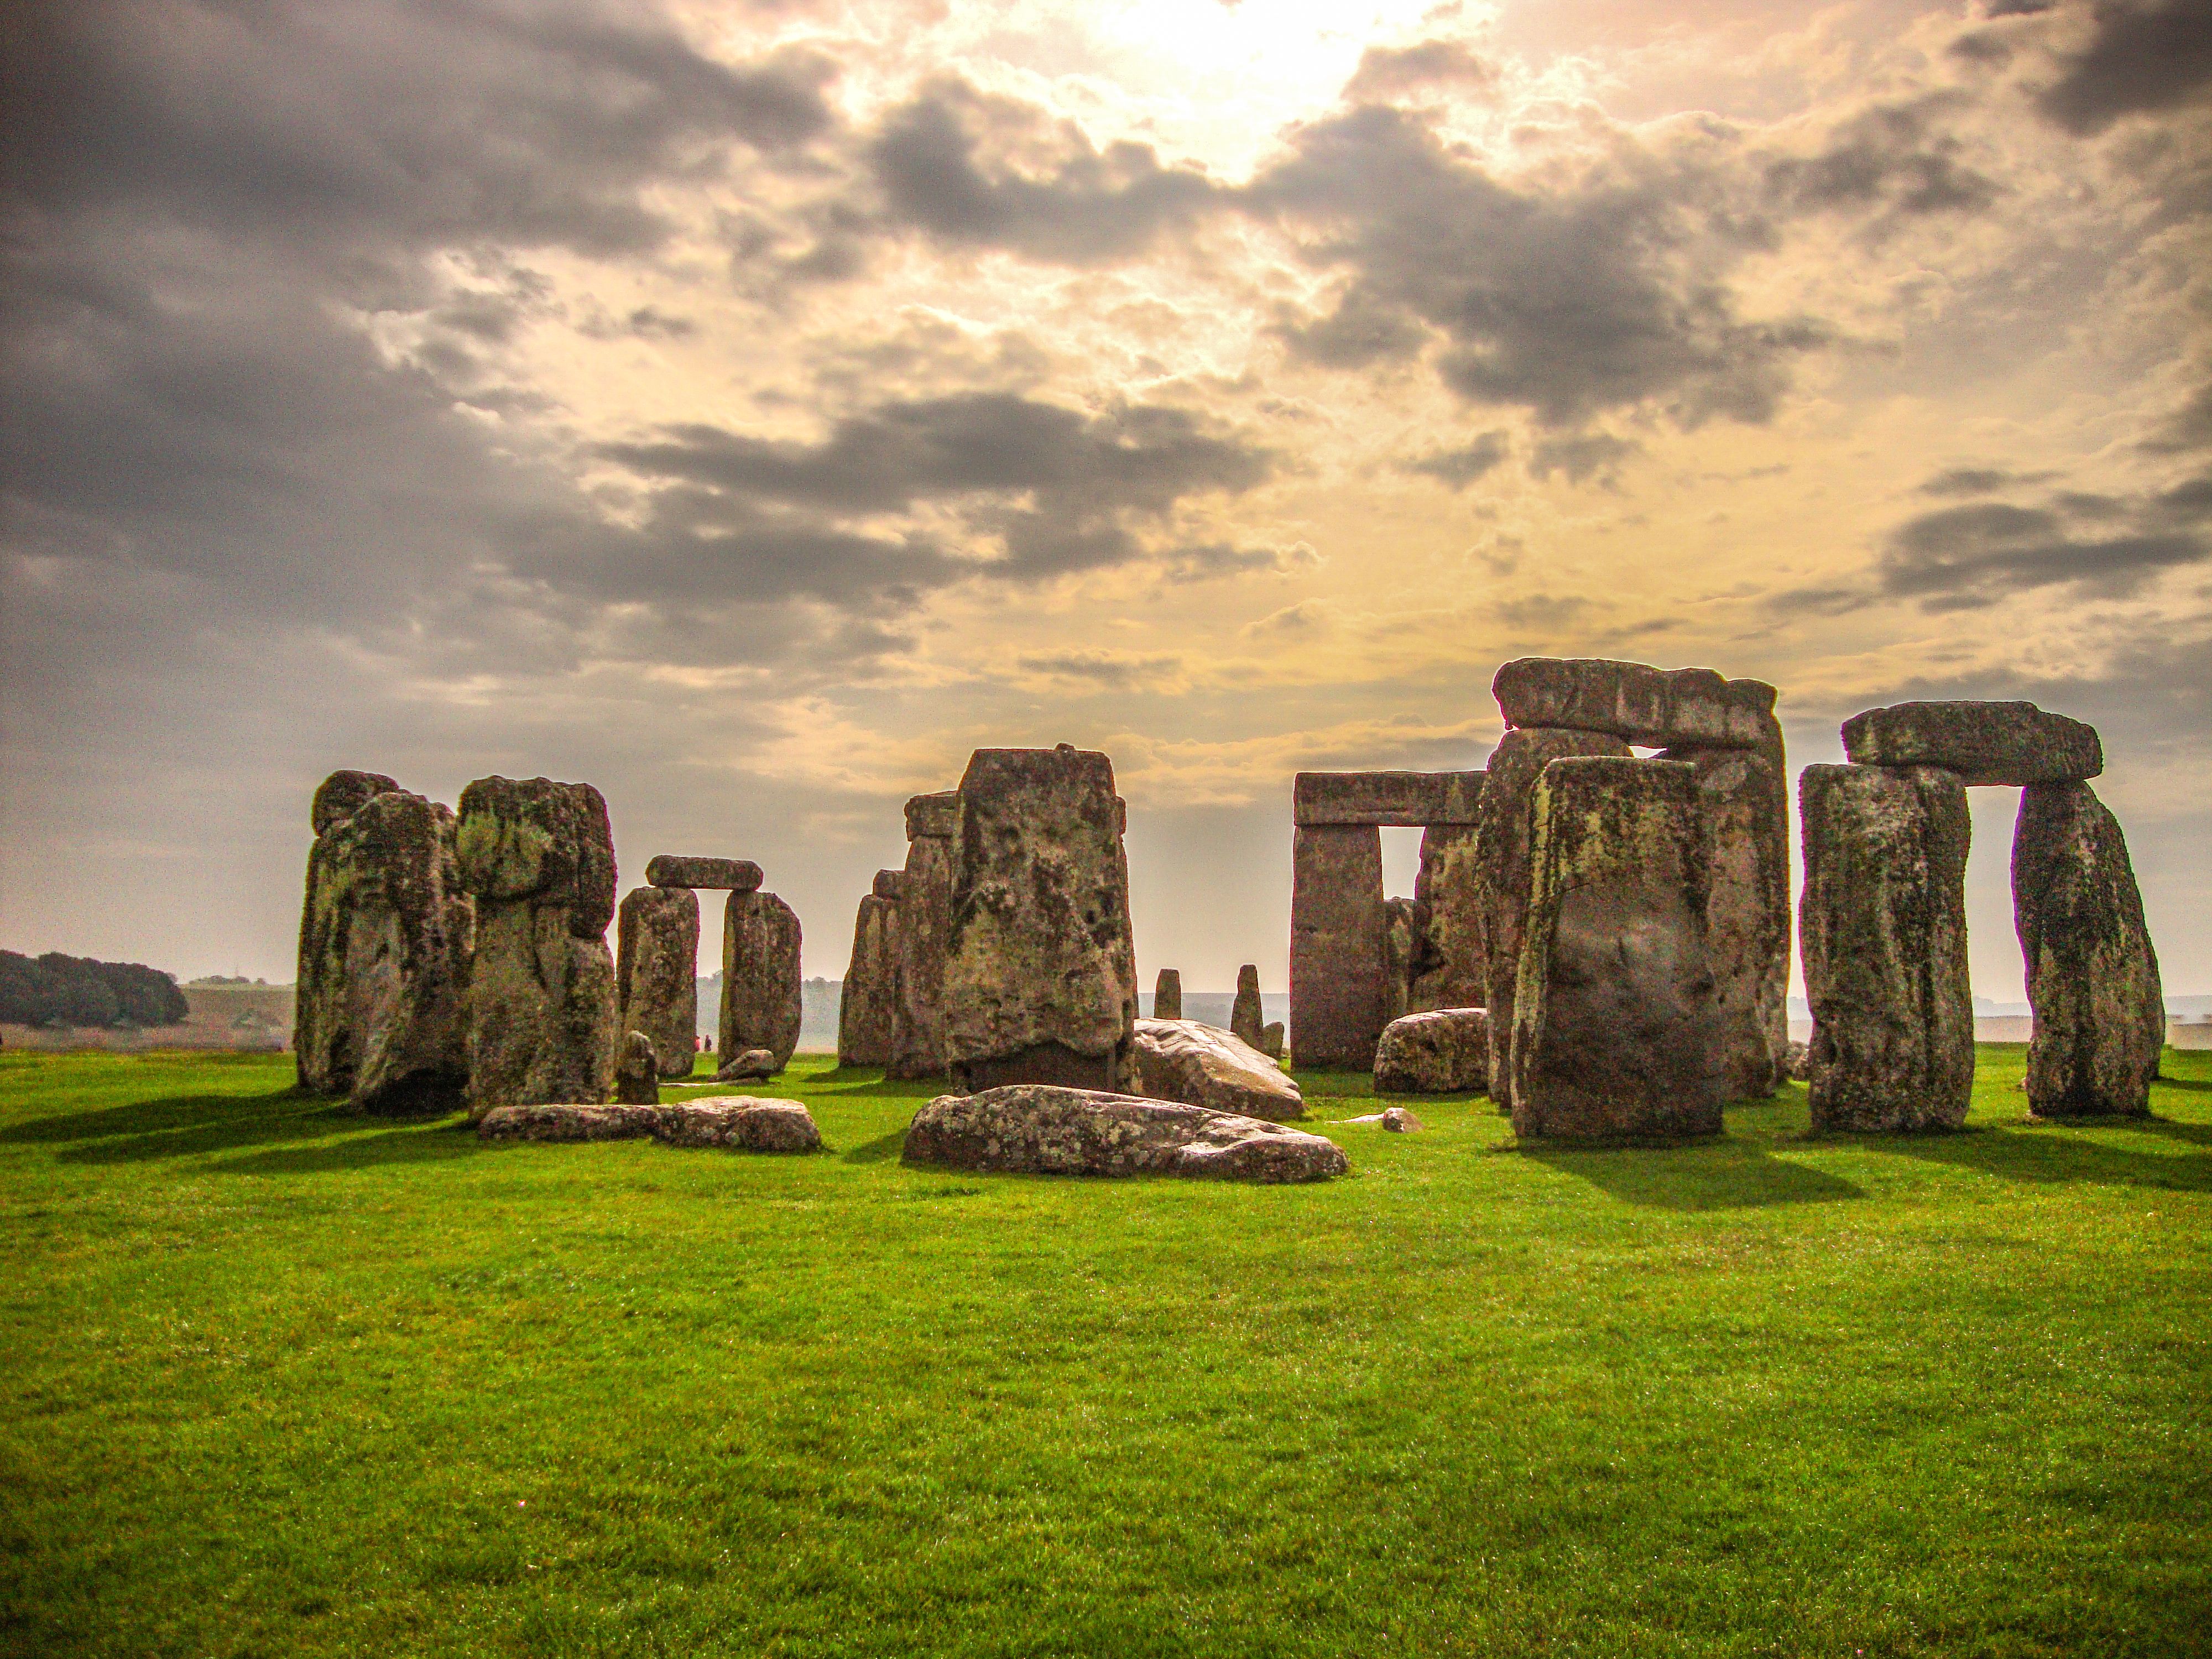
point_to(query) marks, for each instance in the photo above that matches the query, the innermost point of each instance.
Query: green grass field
(276, 1380)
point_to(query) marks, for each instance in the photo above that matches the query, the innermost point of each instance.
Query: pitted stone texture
(1747, 809)
(385, 937)
(1271, 1040)
(1245, 1013)
(2093, 978)
(1797, 1061)
(1659, 707)
(1882, 928)
(1445, 1051)
(657, 972)
(1616, 1032)
(890, 883)
(1036, 1129)
(1338, 946)
(746, 1064)
(1409, 800)
(737, 1121)
(673, 869)
(1167, 995)
(870, 993)
(760, 975)
(341, 794)
(531, 838)
(1985, 742)
(1039, 965)
(637, 1074)
(1501, 859)
(1451, 971)
(1205, 1065)
(925, 926)
(1405, 936)
(937, 815)
(1397, 1121)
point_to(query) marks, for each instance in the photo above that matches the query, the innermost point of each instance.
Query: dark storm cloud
(1458, 468)
(2144, 56)
(1892, 156)
(1586, 455)
(1977, 480)
(1964, 557)
(2188, 427)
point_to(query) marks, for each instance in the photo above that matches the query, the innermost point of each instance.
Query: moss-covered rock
(536, 839)
(1041, 1130)
(1451, 971)
(343, 793)
(657, 972)
(760, 976)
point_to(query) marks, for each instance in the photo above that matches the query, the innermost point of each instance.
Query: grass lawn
(274, 1379)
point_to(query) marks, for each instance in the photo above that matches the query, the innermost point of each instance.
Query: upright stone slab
(1167, 995)
(1245, 1013)
(871, 992)
(2093, 977)
(1882, 928)
(1501, 859)
(1338, 960)
(1983, 743)
(542, 1017)
(1616, 1032)
(925, 926)
(1040, 969)
(760, 976)
(657, 973)
(385, 937)
(1452, 970)
(1403, 938)
(344, 793)
(1659, 707)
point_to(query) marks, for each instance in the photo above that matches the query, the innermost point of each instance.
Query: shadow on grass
(2060, 1154)
(422, 1142)
(881, 1150)
(1714, 1175)
(190, 1126)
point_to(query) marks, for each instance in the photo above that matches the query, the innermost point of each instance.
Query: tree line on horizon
(62, 990)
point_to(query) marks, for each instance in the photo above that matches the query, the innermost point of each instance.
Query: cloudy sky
(750, 409)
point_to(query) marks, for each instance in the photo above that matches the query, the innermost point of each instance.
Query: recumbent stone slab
(1202, 1065)
(1442, 1051)
(761, 983)
(1037, 1129)
(1659, 707)
(740, 1121)
(657, 972)
(1985, 742)
(673, 869)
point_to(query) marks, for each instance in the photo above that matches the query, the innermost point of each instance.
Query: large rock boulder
(657, 972)
(1504, 819)
(385, 937)
(1037, 1129)
(1882, 929)
(542, 1020)
(761, 975)
(925, 928)
(1445, 1051)
(1339, 944)
(1615, 1030)
(1659, 707)
(1039, 965)
(674, 869)
(1983, 743)
(866, 1009)
(2093, 978)
(1205, 1065)
(740, 1121)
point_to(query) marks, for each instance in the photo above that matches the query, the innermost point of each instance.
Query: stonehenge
(657, 971)
(760, 975)
(866, 1010)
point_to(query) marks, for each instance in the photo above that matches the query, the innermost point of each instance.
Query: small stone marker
(1397, 1121)
(1271, 1040)
(1985, 742)
(761, 975)
(637, 1077)
(674, 869)
(1039, 1128)
(1167, 995)
(657, 972)
(1204, 1066)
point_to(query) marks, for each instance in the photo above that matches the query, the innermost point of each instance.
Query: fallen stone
(1397, 800)
(1039, 965)
(1037, 1129)
(1338, 964)
(1244, 1020)
(1204, 1066)
(1985, 742)
(1616, 1032)
(1397, 1121)
(341, 794)
(747, 1063)
(739, 1121)
(1450, 971)
(1167, 995)
(761, 975)
(2093, 978)
(1443, 1052)
(637, 1076)
(657, 972)
(867, 1007)
(1658, 707)
(1882, 931)
(925, 926)
(674, 869)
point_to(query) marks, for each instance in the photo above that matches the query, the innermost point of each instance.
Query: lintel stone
(1658, 707)
(1405, 800)
(673, 869)
(1985, 742)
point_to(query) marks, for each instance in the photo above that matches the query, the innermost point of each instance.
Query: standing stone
(2093, 978)
(1451, 971)
(1040, 969)
(542, 1018)
(1167, 995)
(1882, 928)
(1501, 857)
(637, 1075)
(1245, 1013)
(1616, 1032)
(1271, 1039)
(1985, 742)
(385, 937)
(925, 926)
(657, 972)
(865, 1012)
(1403, 939)
(760, 976)
(1337, 945)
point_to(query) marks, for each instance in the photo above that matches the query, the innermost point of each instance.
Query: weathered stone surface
(747, 1063)
(890, 883)
(1245, 1021)
(865, 1011)
(1204, 1066)
(727, 1120)
(1746, 811)
(1985, 742)
(1797, 1061)
(1882, 929)
(1661, 708)
(1501, 860)
(341, 794)
(674, 869)
(1397, 1121)
(1616, 1032)
(760, 975)
(1451, 971)
(2093, 980)
(1167, 995)
(542, 1022)
(1443, 1052)
(1271, 1039)
(1399, 800)
(925, 927)
(657, 972)
(1337, 962)
(1404, 939)
(637, 1074)
(385, 938)
(1040, 964)
(1037, 1129)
